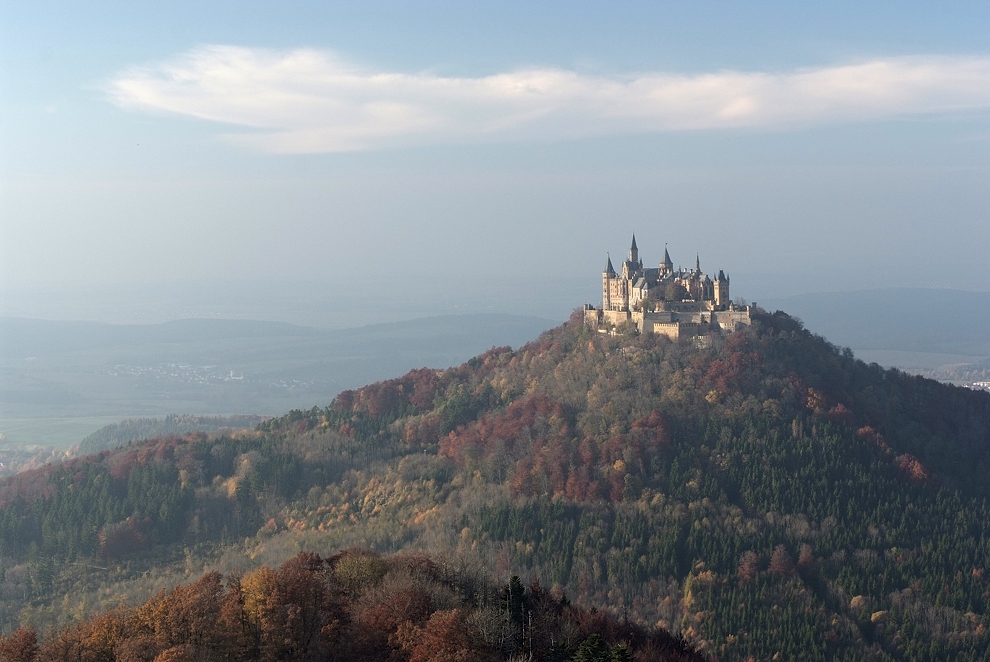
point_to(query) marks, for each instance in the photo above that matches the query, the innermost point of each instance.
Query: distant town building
(682, 303)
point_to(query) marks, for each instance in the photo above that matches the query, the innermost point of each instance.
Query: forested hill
(763, 495)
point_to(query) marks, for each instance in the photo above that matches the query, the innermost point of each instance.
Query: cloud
(313, 101)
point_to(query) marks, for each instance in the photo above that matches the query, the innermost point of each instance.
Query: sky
(189, 158)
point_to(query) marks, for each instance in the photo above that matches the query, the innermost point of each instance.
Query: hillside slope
(764, 495)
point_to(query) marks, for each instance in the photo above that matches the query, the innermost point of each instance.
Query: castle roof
(666, 258)
(633, 247)
(608, 267)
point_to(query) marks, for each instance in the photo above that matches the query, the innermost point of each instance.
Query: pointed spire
(697, 262)
(609, 270)
(666, 257)
(634, 247)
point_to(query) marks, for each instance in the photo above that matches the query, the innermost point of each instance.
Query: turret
(607, 275)
(667, 266)
(633, 251)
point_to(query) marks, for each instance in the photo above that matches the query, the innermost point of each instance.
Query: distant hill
(765, 496)
(908, 319)
(132, 429)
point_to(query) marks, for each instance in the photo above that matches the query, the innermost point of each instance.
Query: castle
(680, 304)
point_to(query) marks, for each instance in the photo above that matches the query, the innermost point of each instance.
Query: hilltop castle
(679, 304)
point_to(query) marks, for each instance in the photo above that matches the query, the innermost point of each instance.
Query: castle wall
(616, 317)
(660, 317)
(592, 317)
(676, 325)
(670, 329)
(688, 306)
(728, 320)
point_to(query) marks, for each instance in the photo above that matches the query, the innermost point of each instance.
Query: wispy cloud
(312, 101)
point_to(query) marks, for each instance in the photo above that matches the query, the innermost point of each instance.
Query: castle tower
(721, 289)
(697, 263)
(667, 266)
(632, 267)
(607, 275)
(707, 289)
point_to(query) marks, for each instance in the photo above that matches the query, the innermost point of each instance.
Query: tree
(515, 597)
(620, 653)
(20, 646)
(781, 562)
(806, 559)
(184, 653)
(186, 615)
(447, 637)
(748, 566)
(593, 649)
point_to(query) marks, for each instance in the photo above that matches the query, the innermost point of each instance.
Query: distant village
(680, 304)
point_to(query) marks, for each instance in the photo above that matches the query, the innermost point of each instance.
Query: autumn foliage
(534, 441)
(354, 605)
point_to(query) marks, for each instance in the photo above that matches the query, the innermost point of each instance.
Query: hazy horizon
(316, 304)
